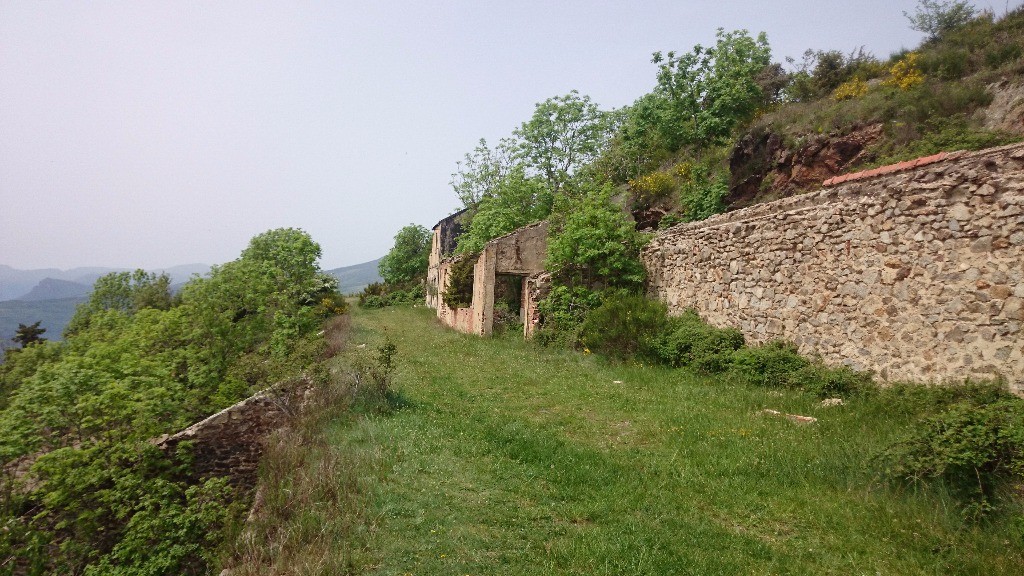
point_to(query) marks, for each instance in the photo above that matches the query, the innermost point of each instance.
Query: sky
(153, 134)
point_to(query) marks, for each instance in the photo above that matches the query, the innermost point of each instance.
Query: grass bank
(500, 457)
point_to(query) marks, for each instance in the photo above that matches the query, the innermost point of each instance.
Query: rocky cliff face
(1006, 112)
(763, 167)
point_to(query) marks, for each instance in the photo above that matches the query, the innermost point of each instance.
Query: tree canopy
(408, 258)
(29, 334)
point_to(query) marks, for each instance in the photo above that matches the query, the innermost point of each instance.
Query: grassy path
(513, 459)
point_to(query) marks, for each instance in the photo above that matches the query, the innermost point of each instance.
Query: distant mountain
(53, 289)
(20, 284)
(53, 315)
(183, 273)
(15, 283)
(352, 279)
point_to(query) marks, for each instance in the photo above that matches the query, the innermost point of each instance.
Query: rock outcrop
(762, 166)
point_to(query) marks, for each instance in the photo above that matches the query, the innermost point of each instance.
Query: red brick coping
(900, 167)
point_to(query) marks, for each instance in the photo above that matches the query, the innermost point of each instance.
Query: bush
(562, 313)
(825, 382)
(378, 295)
(974, 446)
(459, 291)
(703, 187)
(773, 364)
(652, 188)
(688, 341)
(624, 325)
(905, 73)
(854, 88)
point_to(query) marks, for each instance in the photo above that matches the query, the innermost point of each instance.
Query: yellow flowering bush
(905, 74)
(650, 188)
(855, 88)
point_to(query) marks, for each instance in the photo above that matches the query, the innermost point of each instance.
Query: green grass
(507, 458)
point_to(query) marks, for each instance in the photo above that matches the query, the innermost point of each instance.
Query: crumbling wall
(442, 244)
(230, 442)
(521, 253)
(917, 275)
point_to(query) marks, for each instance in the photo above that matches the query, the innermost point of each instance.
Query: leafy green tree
(707, 91)
(30, 334)
(936, 17)
(124, 292)
(482, 170)
(593, 243)
(409, 256)
(517, 201)
(564, 134)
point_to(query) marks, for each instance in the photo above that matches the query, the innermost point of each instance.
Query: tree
(30, 334)
(480, 172)
(593, 243)
(408, 258)
(564, 134)
(516, 201)
(707, 91)
(936, 17)
(125, 292)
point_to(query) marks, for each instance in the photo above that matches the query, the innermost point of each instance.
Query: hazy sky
(149, 134)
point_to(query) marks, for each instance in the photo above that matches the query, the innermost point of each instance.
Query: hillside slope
(354, 278)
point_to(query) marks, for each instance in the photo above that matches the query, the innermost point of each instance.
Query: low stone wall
(230, 442)
(916, 275)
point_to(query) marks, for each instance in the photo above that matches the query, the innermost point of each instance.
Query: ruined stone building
(501, 282)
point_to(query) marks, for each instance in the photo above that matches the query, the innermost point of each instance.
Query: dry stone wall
(230, 442)
(917, 275)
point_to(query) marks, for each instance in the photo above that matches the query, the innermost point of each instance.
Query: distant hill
(15, 283)
(352, 279)
(53, 315)
(53, 289)
(23, 284)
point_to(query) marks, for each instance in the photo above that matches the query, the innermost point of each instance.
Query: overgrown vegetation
(83, 490)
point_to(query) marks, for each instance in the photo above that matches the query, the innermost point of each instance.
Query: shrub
(378, 295)
(562, 313)
(593, 243)
(459, 291)
(905, 73)
(850, 89)
(624, 325)
(973, 446)
(773, 364)
(825, 382)
(688, 341)
(651, 188)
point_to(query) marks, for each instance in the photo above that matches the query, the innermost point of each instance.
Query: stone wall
(230, 442)
(917, 275)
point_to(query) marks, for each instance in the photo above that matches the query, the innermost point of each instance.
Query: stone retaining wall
(916, 275)
(230, 442)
